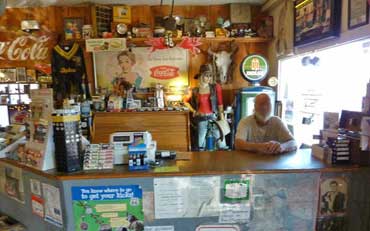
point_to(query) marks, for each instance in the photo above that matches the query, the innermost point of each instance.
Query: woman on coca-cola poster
(126, 61)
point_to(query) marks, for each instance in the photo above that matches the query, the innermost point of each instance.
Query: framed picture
(21, 74)
(351, 120)
(8, 75)
(333, 196)
(73, 28)
(315, 20)
(31, 75)
(358, 13)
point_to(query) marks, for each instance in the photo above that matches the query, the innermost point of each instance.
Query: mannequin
(206, 105)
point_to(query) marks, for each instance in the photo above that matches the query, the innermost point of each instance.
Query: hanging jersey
(69, 73)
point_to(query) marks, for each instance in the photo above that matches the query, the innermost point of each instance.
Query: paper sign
(159, 228)
(117, 207)
(186, 197)
(11, 182)
(35, 186)
(108, 44)
(218, 228)
(53, 211)
(37, 206)
(235, 213)
(237, 190)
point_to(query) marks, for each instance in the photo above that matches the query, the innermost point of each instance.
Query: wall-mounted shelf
(207, 40)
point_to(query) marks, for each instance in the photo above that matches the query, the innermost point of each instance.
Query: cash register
(122, 140)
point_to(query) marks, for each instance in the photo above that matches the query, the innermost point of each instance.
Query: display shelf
(207, 40)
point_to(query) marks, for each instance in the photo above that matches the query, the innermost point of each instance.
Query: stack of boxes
(98, 156)
(340, 150)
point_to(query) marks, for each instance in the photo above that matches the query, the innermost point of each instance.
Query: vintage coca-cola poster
(142, 68)
(20, 49)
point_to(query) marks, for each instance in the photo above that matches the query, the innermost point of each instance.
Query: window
(329, 80)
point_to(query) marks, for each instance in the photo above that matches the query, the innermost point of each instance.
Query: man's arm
(250, 146)
(289, 146)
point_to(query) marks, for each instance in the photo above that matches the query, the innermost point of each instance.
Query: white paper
(37, 206)
(35, 186)
(235, 213)
(53, 211)
(186, 197)
(159, 228)
(218, 228)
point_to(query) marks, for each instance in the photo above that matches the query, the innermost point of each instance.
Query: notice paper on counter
(159, 228)
(218, 228)
(53, 211)
(178, 197)
(37, 205)
(235, 213)
(35, 186)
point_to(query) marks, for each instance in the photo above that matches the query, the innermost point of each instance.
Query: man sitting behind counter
(262, 132)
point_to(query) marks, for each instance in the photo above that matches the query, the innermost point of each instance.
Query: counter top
(211, 163)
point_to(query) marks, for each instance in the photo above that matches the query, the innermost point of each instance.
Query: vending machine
(254, 69)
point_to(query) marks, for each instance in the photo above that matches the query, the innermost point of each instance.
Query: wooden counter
(169, 128)
(212, 163)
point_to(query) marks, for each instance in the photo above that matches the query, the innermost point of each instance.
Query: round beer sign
(254, 68)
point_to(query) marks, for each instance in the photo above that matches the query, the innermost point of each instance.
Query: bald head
(262, 99)
(262, 106)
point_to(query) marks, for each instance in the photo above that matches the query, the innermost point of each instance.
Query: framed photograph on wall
(358, 13)
(73, 28)
(21, 74)
(315, 20)
(8, 75)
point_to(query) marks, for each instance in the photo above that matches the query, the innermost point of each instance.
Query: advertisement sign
(254, 68)
(25, 50)
(106, 44)
(108, 208)
(142, 68)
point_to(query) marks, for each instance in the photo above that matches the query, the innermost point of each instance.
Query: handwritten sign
(25, 50)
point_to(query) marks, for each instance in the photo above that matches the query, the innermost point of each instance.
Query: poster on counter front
(11, 182)
(142, 68)
(115, 208)
(180, 197)
(52, 205)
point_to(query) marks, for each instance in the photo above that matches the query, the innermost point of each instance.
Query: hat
(224, 127)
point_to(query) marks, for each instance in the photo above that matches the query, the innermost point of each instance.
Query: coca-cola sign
(164, 72)
(24, 50)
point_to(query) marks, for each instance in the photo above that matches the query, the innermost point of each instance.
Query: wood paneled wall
(51, 19)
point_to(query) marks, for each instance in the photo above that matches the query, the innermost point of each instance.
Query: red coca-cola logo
(164, 72)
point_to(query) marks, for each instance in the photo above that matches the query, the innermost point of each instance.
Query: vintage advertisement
(37, 205)
(53, 210)
(35, 187)
(181, 197)
(111, 44)
(25, 50)
(11, 182)
(142, 68)
(113, 208)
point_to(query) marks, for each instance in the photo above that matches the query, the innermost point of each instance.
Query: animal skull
(222, 61)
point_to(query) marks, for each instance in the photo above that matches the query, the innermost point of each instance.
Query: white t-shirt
(274, 130)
